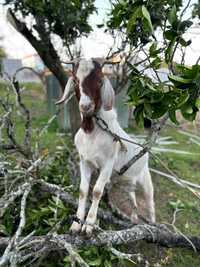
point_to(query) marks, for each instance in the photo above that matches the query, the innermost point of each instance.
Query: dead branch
(157, 234)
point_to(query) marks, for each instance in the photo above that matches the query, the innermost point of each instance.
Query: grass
(167, 194)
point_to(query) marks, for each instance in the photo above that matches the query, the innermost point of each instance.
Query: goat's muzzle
(87, 110)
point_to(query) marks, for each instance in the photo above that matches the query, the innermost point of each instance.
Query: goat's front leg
(103, 178)
(86, 172)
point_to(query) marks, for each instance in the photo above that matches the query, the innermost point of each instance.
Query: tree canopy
(142, 22)
(67, 19)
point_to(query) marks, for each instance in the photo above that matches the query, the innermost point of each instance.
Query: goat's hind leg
(86, 172)
(133, 216)
(149, 195)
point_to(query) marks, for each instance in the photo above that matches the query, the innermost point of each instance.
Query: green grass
(167, 194)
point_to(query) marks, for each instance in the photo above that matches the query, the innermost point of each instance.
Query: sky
(96, 45)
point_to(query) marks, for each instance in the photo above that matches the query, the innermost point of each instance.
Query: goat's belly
(135, 169)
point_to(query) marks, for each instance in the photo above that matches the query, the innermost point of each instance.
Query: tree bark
(150, 233)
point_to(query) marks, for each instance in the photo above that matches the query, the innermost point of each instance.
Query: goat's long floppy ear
(69, 88)
(107, 94)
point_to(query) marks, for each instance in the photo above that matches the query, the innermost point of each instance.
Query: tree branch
(157, 234)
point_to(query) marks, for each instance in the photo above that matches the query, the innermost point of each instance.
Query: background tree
(39, 20)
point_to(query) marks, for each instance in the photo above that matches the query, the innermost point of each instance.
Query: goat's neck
(110, 117)
(88, 124)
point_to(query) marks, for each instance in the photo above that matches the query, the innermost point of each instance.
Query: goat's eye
(99, 83)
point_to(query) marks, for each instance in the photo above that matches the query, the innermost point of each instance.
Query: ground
(168, 196)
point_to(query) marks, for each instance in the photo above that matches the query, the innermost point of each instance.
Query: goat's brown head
(90, 80)
(92, 89)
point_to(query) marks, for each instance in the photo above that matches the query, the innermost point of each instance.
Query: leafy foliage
(153, 98)
(140, 18)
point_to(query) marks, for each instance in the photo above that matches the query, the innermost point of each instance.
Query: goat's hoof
(134, 218)
(75, 227)
(88, 229)
(152, 218)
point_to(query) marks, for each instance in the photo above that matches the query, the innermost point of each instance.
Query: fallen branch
(157, 234)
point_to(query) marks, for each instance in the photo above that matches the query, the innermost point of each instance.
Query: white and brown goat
(96, 147)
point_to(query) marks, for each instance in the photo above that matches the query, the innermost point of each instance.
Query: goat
(96, 147)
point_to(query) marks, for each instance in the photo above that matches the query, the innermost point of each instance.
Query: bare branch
(158, 234)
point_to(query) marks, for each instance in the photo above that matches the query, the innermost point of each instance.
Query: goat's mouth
(87, 113)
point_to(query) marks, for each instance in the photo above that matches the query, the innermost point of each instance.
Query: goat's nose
(85, 107)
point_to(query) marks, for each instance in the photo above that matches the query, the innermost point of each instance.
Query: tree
(65, 19)
(141, 21)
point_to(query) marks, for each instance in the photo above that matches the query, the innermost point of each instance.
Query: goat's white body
(98, 146)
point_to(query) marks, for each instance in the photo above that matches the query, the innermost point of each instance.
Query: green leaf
(184, 25)
(170, 35)
(147, 109)
(149, 86)
(172, 17)
(172, 116)
(107, 263)
(184, 43)
(146, 15)
(159, 109)
(169, 51)
(188, 110)
(136, 14)
(189, 117)
(156, 97)
(182, 99)
(139, 117)
(152, 49)
(100, 25)
(197, 103)
(179, 79)
(96, 262)
(177, 204)
(156, 63)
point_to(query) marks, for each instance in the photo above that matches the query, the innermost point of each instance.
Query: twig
(174, 179)
(27, 136)
(74, 256)
(127, 256)
(7, 200)
(11, 252)
(22, 214)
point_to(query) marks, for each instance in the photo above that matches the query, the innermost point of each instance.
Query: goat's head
(92, 89)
